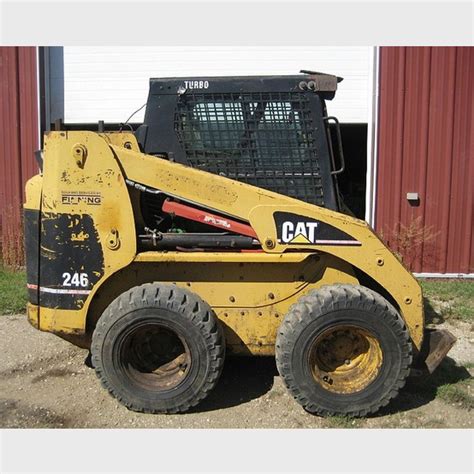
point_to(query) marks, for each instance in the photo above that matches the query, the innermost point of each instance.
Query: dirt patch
(16, 414)
(463, 350)
(45, 383)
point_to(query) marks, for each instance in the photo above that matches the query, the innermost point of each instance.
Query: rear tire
(158, 348)
(343, 350)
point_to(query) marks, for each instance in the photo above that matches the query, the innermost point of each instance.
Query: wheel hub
(345, 359)
(156, 357)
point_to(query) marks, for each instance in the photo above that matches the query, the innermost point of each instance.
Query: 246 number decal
(75, 279)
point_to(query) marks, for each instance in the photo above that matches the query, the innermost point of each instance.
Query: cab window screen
(264, 139)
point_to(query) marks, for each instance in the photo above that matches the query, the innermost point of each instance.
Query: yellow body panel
(32, 312)
(250, 292)
(228, 257)
(33, 192)
(67, 321)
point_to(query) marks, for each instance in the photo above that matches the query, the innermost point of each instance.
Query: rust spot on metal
(65, 177)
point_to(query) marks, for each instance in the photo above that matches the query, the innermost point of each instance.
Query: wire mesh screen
(264, 139)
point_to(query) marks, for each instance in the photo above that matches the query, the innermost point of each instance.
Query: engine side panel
(87, 229)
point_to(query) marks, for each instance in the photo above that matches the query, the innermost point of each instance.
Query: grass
(340, 421)
(450, 382)
(13, 294)
(455, 385)
(457, 394)
(453, 299)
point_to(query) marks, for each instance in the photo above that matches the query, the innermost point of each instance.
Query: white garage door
(109, 83)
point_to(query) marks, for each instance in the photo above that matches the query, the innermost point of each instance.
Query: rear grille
(263, 139)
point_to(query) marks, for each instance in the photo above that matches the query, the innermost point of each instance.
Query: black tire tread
(176, 299)
(325, 299)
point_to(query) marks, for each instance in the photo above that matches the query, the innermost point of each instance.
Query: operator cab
(269, 131)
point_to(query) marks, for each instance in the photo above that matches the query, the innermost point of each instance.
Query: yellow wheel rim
(345, 359)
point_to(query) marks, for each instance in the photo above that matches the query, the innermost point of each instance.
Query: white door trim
(372, 131)
(38, 96)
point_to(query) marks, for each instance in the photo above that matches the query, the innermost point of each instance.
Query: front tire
(343, 350)
(158, 348)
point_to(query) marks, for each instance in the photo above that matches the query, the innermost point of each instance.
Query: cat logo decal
(294, 229)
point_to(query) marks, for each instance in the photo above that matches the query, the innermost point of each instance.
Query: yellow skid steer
(164, 249)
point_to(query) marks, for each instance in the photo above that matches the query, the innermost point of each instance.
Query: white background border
(227, 23)
(230, 23)
(330, 450)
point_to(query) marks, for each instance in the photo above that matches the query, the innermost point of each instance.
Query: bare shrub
(411, 242)
(12, 248)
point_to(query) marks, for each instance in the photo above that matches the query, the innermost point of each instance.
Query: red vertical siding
(426, 145)
(19, 125)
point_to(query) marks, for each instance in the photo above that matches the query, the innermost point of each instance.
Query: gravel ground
(44, 383)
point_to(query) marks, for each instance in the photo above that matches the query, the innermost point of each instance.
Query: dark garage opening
(352, 182)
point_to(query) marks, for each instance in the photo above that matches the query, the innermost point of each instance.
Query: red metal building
(20, 138)
(425, 147)
(424, 167)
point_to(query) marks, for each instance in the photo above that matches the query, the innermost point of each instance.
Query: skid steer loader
(214, 229)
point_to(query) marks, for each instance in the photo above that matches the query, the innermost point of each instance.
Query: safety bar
(339, 145)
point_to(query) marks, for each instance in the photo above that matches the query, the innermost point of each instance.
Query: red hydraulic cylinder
(208, 218)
